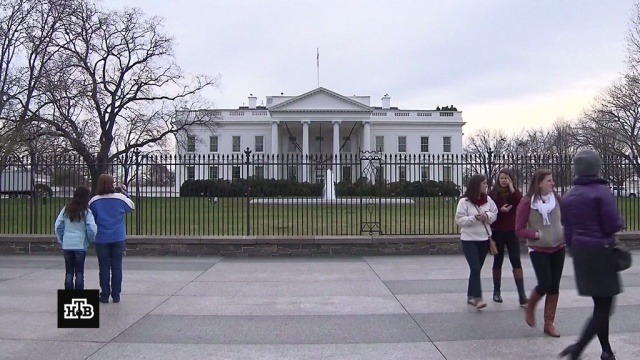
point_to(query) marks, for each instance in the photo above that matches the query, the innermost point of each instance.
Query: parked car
(622, 191)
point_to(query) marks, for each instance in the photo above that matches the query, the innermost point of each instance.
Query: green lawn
(197, 216)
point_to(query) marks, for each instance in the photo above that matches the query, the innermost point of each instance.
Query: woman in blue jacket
(591, 220)
(109, 208)
(75, 229)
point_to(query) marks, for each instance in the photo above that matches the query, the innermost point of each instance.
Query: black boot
(519, 278)
(607, 356)
(497, 280)
(571, 351)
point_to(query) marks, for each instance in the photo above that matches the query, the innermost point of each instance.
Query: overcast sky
(504, 63)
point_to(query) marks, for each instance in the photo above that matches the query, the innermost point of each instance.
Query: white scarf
(545, 205)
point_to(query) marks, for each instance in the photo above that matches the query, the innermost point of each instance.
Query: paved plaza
(386, 307)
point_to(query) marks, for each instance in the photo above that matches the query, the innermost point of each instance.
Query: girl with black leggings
(507, 198)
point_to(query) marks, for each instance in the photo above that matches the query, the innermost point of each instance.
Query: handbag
(622, 256)
(493, 249)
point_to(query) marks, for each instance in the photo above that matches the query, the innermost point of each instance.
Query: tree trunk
(95, 171)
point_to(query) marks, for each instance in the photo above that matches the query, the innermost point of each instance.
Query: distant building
(319, 123)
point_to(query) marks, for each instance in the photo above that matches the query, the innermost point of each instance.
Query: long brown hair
(472, 192)
(105, 185)
(78, 205)
(534, 185)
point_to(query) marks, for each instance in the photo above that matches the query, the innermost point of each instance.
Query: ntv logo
(78, 308)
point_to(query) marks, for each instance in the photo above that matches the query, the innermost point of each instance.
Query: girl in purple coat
(591, 219)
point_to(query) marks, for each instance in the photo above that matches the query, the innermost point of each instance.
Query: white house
(344, 129)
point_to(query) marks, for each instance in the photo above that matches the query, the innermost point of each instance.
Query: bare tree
(561, 147)
(116, 76)
(486, 150)
(613, 124)
(29, 30)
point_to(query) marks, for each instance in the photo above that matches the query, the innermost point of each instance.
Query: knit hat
(586, 163)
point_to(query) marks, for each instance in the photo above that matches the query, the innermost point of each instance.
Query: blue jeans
(74, 266)
(110, 264)
(475, 252)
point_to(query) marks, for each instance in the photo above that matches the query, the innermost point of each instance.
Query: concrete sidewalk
(387, 307)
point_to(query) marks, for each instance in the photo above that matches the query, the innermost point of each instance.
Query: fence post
(33, 201)
(136, 153)
(489, 166)
(247, 154)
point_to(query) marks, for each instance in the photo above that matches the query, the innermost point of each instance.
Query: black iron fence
(284, 195)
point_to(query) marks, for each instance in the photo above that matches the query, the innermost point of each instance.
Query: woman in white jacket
(474, 214)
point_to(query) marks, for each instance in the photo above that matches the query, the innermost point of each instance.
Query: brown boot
(530, 309)
(550, 306)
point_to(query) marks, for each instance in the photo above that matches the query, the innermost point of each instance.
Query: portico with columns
(320, 123)
(301, 136)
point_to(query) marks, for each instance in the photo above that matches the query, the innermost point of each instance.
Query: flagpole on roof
(318, 65)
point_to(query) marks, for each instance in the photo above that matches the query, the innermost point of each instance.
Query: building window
(379, 175)
(424, 174)
(213, 144)
(191, 172)
(292, 173)
(447, 173)
(235, 144)
(213, 172)
(346, 173)
(292, 144)
(191, 143)
(402, 173)
(235, 172)
(259, 145)
(424, 144)
(380, 143)
(258, 172)
(402, 144)
(347, 144)
(319, 140)
(446, 144)
(320, 175)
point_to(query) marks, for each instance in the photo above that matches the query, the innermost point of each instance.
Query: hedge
(289, 188)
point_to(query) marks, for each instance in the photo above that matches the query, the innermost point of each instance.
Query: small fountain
(329, 197)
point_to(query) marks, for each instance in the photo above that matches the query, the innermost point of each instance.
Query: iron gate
(371, 206)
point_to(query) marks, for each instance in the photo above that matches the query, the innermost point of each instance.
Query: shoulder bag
(493, 249)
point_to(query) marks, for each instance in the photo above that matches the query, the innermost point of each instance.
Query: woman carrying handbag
(474, 211)
(591, 220)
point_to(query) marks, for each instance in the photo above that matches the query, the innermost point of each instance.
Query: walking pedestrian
(538, 220)
(507, 197)
(591, 219)
(474, 214)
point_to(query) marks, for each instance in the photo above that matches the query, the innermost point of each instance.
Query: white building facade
(288, 135)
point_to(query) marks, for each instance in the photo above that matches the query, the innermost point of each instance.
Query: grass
(197, 216)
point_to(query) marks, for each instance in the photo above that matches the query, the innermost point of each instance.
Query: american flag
(318, 57)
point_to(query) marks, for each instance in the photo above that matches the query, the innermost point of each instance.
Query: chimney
(386, 101)
(252, 101)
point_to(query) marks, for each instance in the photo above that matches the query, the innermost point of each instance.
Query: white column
(336, 150)
(275, 146)
(366, 143)
(305, 150)
(366, 147)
